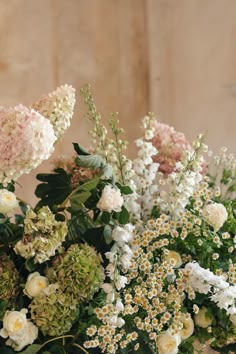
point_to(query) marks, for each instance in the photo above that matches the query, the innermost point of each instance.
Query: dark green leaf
(124, 216)
(124, 189)
(56, 187)
(30, 265)
(80, 150)
(4, 350)
(105, 217)
(32, 349)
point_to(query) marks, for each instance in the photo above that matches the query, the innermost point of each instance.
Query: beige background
(174, 57)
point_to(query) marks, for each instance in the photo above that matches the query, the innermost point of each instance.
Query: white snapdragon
(111, 200)
(35, 284)
(21, 332)
(8, 201)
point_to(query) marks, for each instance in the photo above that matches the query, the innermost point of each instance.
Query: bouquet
(118, 256)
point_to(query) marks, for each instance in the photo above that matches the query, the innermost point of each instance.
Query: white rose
(188, 327)
(215, 215)
(111, 199)
(175, 256)
(35, 284)
(8, 201)
(167, 343)
(28, 337)
(21, 332)
(14, 324)
(201, 319)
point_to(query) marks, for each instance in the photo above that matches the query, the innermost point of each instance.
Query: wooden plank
(194, 51)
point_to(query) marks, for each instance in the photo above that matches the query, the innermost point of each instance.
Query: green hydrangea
(53, 311)
(78, 271)
(43, 235)
(9, 279)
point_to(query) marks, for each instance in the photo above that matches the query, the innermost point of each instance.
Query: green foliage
(54, 190)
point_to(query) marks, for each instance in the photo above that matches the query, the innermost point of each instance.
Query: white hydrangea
(27, 138)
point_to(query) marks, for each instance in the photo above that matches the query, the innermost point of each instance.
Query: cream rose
(215, 215)
(201, 319)
(175, 256)
(167, 343)
(8, 201)
(14, 323)
(188, 327)
(21, 332)
(111, 199)
(35, 284)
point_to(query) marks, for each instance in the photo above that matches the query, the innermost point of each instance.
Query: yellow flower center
(18, 325)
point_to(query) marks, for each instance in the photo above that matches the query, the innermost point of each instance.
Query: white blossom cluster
(119, 258)
(183, 182)
(141, 202)
(58, 107)
(204, 281)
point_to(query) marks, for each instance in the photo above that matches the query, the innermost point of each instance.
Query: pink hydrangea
(26, 139)
(170, 145)
(58, 107)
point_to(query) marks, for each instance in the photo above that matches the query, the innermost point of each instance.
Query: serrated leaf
(80, 150)
(90, 161)
(32, 349)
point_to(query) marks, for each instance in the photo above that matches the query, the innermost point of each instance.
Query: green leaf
(80, 150)
(92, 161)
(56, 187)
(88, 186)
(30, 265)
(32, 349)
(123, 216)
(78, 199)
(4, 350)
(124, 189)
(107, 172)
(107, 232)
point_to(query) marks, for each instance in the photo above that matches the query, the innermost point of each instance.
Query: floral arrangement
(118, 256)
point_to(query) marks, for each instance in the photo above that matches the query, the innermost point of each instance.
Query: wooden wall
(175, 57)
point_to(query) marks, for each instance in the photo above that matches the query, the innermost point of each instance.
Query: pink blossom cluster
(26, 139)
(170, 145)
